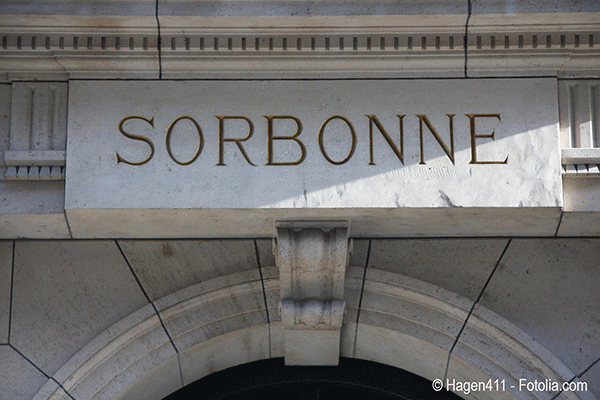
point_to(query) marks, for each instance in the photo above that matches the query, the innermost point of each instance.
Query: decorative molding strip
(289, 42)
(385, 46)
(34, 173)
(44, 43)
(38, 131)
(581, 170)
(579, 104)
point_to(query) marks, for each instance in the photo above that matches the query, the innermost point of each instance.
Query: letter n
(449, 151)
(398, 151)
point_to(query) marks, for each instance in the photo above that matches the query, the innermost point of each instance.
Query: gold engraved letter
(168, 140)
(449, 152)
(399, 152)
(352, 133)
(294, 137)
(136, 137)
(238, 142)
(474, 137)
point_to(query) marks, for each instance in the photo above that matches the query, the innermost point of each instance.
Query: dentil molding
(271, 47)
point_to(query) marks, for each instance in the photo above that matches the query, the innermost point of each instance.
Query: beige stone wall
(139, 312)
(137, 319)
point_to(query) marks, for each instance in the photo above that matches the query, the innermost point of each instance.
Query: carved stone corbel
(312, 257)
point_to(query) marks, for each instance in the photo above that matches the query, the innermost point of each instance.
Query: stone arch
(223, 322)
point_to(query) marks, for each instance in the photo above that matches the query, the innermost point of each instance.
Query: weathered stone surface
(333, 175)
(166, 266)
(358, 253)
(581, 223)
(462, 371)
(156, 383)
(499, 350)
(398, 222)
(32, 197)
(592, 378)
(548, 288)
(530, 177)
(312, 258)
(19, 379)
(224, 351)
(391, 302)
(5, 109)
(123, 360)
(397, 349)
(308, 8)
(65, 294)
(582, 195)
(459, 265)
(92, 8)
(265, 253)
(503, 7)
(214, 307)
(5, 285)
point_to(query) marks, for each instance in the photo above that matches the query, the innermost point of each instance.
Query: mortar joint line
(485, 285)
(559, 222)
(466, 38)
(264, 291)
(41, 371)
(158, 41)
(588, 368)
(68, 226)
(12, 285)
(180, 369)
(146, 295)
(561, 390)
(362, 290)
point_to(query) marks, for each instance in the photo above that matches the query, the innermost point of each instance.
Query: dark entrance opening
(271, 379)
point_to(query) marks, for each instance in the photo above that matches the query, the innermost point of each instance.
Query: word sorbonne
(273, 121)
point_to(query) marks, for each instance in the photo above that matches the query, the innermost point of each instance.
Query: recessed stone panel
(212, 150)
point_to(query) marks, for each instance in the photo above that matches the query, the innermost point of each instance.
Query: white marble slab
(519, 167)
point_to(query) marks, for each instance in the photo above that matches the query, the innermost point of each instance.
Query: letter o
(168, 140)
(352, 133)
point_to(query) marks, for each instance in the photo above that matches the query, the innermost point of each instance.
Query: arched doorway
(271, 379)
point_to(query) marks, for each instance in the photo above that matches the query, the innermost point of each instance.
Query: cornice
(193, 47)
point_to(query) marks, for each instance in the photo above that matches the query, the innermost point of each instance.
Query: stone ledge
(35, 158)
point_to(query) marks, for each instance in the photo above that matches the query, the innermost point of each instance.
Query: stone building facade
(187, 187)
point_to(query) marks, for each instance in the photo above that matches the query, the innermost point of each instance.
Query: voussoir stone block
(459, 265)
(560, 277)
(65, 294)
(166, 266)
(592, 378)
(19, 380)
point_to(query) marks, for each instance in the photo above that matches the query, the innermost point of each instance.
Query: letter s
(136, 137)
